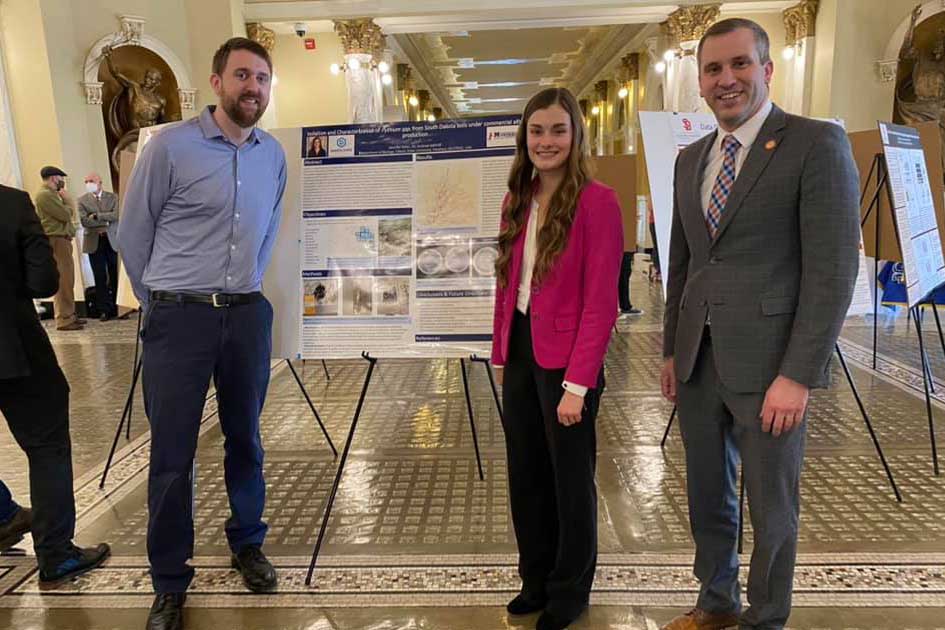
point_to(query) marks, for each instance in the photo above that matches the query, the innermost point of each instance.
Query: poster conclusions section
(398, 232)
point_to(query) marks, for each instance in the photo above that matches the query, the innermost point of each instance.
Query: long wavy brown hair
(553, 235)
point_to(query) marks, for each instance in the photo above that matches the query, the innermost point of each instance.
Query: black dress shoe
(78, 561)
(522, 605)
(104, 317)
(557, 620)
(13, 530)
(167, 612)
(258, 573)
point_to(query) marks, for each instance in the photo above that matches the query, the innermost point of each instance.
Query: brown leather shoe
(698, 619)
(71, 326)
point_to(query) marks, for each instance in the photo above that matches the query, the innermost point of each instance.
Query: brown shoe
(698, 619)
(71, 326)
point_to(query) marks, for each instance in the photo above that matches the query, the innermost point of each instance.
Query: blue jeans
(8, 506)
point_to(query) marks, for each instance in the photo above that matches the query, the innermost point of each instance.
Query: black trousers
(551, 478)
(104, 261)
(623, 284)
(37, 411)
(185, 345)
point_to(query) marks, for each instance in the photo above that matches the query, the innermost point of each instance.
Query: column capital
(690, 23)
(629, 68)
(360, 36)
(263, 36)
(800, 21)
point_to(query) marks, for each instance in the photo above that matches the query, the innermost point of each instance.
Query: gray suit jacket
(106, 218)
(777, 280)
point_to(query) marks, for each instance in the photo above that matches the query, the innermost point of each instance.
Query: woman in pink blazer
(560, 248)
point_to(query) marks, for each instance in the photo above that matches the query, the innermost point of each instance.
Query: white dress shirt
(746, 135)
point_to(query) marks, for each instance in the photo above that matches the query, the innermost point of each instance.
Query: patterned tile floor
(417, 541)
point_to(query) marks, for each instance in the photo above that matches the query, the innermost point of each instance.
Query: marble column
(799, 23)
(685, 27)
(363, 45)
(266, 38)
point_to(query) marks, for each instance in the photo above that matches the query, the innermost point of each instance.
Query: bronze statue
(138, 105)
(927, 80)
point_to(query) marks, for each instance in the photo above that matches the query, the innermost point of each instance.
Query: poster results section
(398, 237)
(914, 211)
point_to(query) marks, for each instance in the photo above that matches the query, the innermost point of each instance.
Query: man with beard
(201, 215)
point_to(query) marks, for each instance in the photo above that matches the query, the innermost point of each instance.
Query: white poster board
(914, 211)
(664, 135)
(388, 240)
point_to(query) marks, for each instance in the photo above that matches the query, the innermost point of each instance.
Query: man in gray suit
(762, 262)
(98, 211)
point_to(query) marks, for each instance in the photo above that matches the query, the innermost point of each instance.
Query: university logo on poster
(501, 136)
(340, 146)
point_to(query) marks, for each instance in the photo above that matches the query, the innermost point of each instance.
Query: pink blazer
(574, 309)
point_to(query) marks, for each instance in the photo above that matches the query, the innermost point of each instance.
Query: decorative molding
(688, 24)
(188, 97)
(597, 61)
(121, 38)
(360, 36)
(886, 69)
(404, 76)
(423, 72)
(629, 68)
(93, 92)
(601, 90)
(132, 28)
(800, 21)
(263, 36)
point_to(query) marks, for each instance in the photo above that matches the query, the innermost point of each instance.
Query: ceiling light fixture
(788, 53)
(660, 67)
(595, 110)
(414, 101)
(386, 79)
(669, 55)
(623, 92)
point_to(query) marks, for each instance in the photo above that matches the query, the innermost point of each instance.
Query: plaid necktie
(723, 185)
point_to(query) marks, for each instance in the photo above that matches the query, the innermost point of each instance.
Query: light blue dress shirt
(200, 214)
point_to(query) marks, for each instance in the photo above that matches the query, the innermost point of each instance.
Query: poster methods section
(398, 232)
(914, 211)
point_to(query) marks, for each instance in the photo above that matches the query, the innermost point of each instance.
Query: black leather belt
(217, 300)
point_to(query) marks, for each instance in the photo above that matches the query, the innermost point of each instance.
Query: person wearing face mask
(197, 230)
(57, 217)
(560, 250)
(98, 212)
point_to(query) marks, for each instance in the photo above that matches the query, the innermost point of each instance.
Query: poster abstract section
(398, 236)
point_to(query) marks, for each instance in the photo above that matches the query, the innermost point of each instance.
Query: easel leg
(926, 366)
(869, 425)
(495, 391)
(669, 425)
(928, 399)
(312, 407)
(125, 414)
(472, 421)
(341, 467)
(137, 346)
(325, 367)
(741, 511)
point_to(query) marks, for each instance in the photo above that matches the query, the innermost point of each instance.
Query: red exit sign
(309, 43)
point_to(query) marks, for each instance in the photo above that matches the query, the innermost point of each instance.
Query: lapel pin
(770, 144)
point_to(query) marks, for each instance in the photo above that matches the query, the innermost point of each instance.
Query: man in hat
(56, 216)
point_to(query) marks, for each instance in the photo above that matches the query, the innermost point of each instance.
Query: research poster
(914, 211)
(397, 231)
